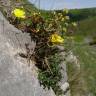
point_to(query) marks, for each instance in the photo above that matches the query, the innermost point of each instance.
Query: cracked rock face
(16, 78)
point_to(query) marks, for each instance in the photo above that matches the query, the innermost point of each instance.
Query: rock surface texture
(16, 78)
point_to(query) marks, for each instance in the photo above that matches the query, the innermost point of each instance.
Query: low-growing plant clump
(47, 33)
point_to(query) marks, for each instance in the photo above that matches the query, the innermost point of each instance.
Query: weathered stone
(16, 78)
(64, 85)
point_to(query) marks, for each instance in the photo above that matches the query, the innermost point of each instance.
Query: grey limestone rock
(16, 77)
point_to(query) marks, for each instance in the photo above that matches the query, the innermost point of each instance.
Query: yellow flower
(19, 13)
(55, 39)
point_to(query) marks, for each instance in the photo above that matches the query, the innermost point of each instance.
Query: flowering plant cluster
(54, 38)
(19, 13)
(48, 32)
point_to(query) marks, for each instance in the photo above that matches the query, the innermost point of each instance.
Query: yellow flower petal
(55, 38)
(19, 13)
